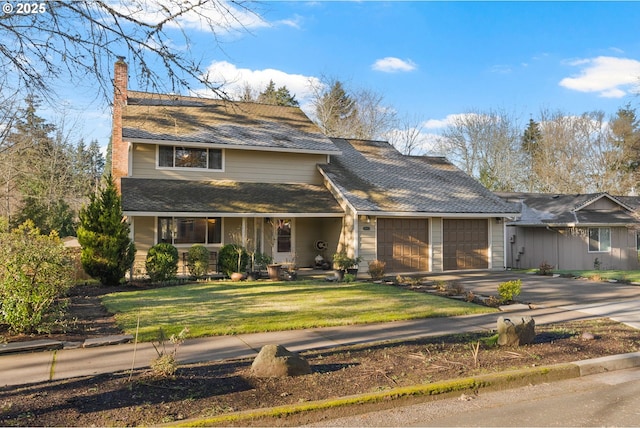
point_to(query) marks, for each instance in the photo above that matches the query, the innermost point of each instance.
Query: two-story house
(195, 170)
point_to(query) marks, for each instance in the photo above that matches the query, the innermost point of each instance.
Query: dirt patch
(209, 389)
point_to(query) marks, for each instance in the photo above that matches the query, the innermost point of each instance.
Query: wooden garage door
(403, 244)
(465, 244)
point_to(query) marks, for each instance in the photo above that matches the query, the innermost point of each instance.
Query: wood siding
(239, 165)
(567, 249)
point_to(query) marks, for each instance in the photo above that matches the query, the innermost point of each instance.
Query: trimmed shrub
(545, 268)
(232, 258)
(376, 269)
(162, 262)
(198, 260)
(509, 290)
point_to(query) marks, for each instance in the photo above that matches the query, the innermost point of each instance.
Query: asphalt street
(606, 399)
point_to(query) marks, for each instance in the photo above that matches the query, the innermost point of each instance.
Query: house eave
(435, 214)
(226, 214)
(200, 144)
(571, 225)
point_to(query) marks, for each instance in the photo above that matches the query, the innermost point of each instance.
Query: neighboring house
(195, 170)
(591, 231)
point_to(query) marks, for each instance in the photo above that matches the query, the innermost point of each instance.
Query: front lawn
(223, 308)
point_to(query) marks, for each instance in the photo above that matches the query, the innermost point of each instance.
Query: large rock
(277, 361)
(516, 333)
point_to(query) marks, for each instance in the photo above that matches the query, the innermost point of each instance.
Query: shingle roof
(223, 196)
(223, 123)
(375, 177)
(542, 209)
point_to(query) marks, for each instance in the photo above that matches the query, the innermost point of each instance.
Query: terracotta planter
(237, 276)
(274, 272)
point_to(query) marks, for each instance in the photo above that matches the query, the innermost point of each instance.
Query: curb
(488, 382)
(52, 345)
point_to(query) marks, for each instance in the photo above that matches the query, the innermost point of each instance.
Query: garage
(465, 244)
(403, 244)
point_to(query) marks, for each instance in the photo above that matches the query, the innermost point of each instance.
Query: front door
(284, 247)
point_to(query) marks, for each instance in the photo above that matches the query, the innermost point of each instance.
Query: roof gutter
(224, 214)
(437, 214)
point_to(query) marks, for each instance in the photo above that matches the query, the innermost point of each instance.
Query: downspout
(557, 246)
(356, 235)
(504, 239)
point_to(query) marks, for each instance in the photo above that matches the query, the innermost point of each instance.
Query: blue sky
(432, 60)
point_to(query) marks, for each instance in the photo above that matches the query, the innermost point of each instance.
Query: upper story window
(599, 239)
(189, 157)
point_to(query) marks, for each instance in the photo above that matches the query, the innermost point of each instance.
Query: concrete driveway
(620, 302)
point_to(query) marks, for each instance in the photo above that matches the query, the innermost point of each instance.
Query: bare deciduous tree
(344, 113)
(76, 40)
(576, 155)
(407, 136)
(486, 145)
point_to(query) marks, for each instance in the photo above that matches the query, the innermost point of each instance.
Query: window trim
(599, 241)
(190, 168)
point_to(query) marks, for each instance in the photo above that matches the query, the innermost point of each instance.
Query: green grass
(620, 275)
(223, 308)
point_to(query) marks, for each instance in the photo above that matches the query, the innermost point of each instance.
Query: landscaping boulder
(516, 332)
(277, 361)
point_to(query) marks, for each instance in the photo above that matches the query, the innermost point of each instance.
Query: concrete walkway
(556, 300)
(21, 368)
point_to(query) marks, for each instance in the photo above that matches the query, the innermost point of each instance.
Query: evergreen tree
(624, 160)
(279, 97)
(45, 178)
(625, 130)
(107, 249)
(42, 172)
(531, 146)
(336, 112)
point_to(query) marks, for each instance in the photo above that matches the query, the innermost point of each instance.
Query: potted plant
(259, 262)
(345, 264)
(232, 260)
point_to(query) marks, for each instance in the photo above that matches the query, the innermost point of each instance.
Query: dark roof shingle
(180, 119)
(225, 197)
(375, 177)
(544, 209)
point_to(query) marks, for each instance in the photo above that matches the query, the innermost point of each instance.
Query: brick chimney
(119, 148)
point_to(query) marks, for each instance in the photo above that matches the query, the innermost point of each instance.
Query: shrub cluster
(35, 271)
(509, 290)
(376, 269)
(198, 260)
(232, 258)
(162, 262)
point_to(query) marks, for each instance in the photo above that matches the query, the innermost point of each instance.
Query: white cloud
(221, 17)
(443, 123)
(501, 69)
(235, 79)
(393, 65)
(611, 77)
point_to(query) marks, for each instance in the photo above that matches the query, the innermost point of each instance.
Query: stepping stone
(30, 346)
(107, 340)
(514, 307)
